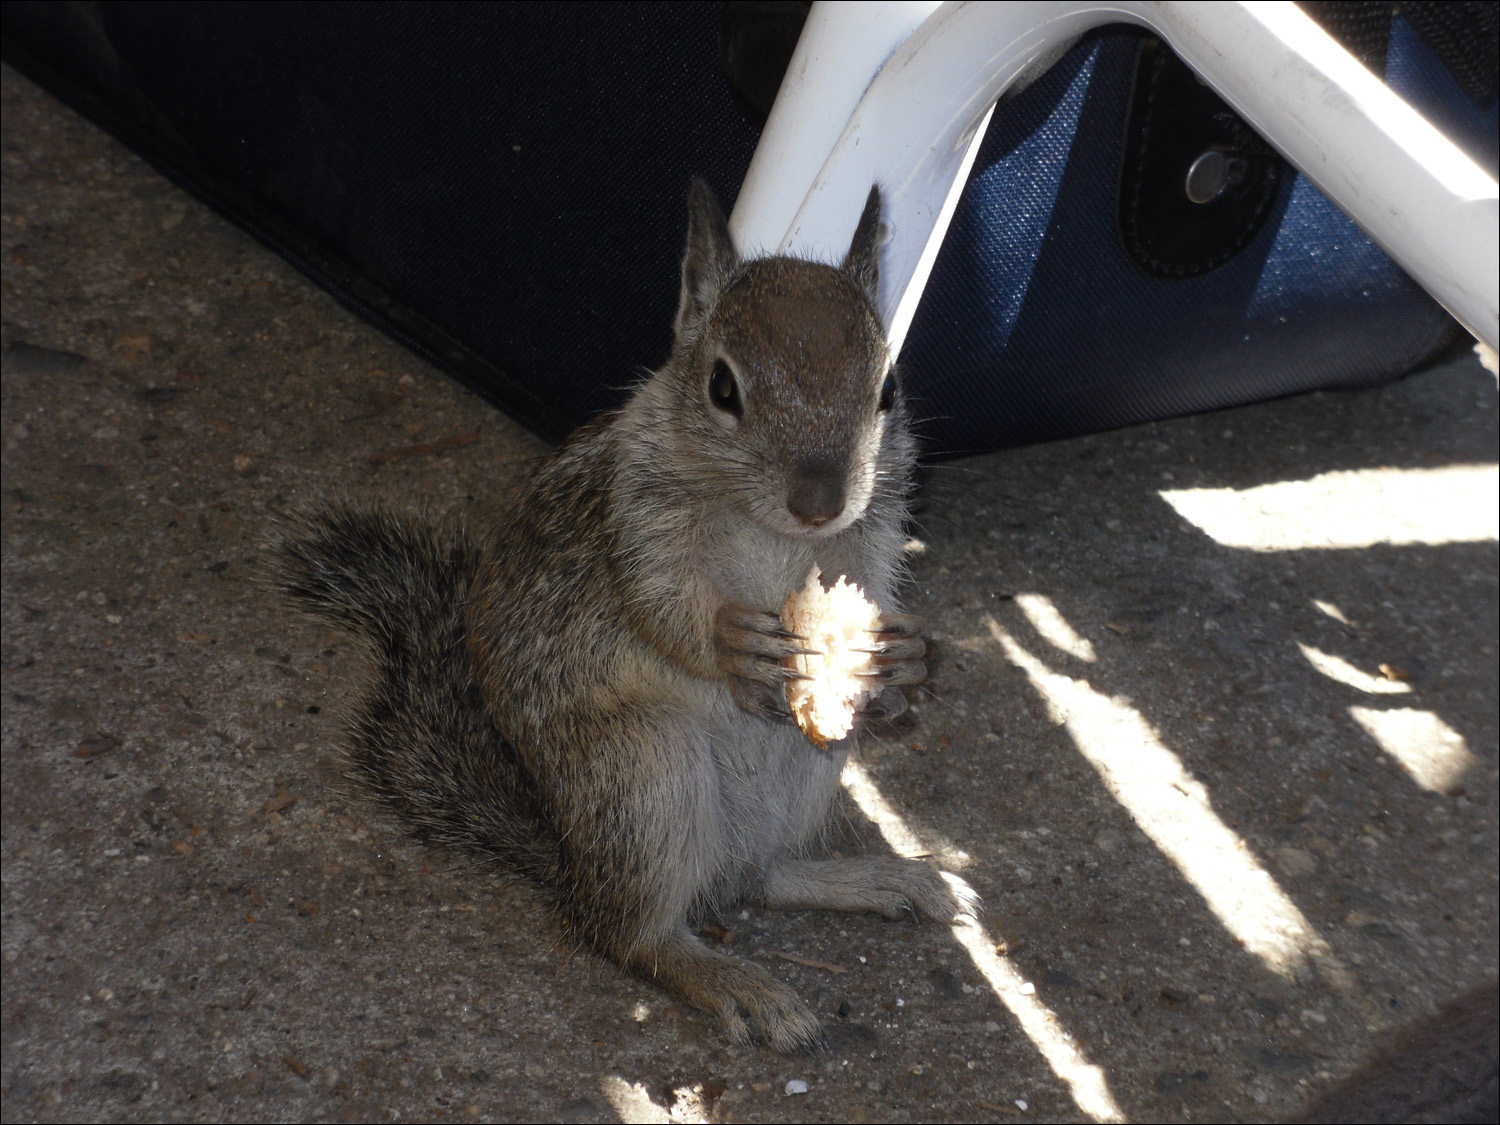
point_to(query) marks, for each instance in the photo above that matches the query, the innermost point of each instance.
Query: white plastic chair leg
(878, 94)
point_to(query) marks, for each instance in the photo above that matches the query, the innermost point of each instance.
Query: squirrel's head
(782, 379)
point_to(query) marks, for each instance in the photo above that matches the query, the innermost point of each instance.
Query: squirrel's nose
(816, 494)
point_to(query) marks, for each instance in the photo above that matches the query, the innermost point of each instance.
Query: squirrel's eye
(888, 392)
(723, 390)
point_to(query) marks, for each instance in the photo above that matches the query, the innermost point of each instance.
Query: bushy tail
(391, 580)
(420, 738)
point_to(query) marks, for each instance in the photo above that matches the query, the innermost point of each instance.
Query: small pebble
(796, 1086)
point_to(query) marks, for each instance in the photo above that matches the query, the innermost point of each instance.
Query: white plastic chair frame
(899, 94)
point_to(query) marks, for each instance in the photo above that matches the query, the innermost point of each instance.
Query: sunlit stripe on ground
(1436, 755)
(1084, 1080)
(903, 840)
(1337, 668)
(1172, 808)
(633, 1103)
(1358, 508)
(1047, 621)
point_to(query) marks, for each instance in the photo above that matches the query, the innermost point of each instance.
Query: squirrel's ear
(862, 263)
(710, 257)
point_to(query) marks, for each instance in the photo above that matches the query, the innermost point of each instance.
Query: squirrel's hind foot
(748, 1001)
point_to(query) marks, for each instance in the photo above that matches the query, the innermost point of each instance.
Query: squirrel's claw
(758, 669)
(900, 648)
(749, 625)
(898, 625)
(903, 672)
(886, 707)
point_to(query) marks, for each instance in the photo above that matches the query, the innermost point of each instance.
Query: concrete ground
(1224, 773)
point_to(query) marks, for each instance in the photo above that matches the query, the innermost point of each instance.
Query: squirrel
(593, 693)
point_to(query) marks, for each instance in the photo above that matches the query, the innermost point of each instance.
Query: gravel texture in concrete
(1222, 763)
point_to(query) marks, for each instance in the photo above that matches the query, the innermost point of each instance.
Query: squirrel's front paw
(896, 657)
(751, 647)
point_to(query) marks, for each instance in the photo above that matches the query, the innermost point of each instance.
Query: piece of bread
(836, 623)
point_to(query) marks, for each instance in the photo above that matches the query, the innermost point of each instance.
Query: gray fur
(593, 693)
